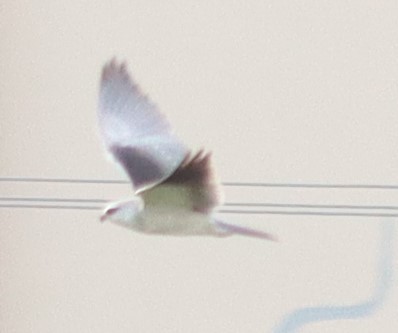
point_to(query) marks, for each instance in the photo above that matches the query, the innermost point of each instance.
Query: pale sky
(280, 91)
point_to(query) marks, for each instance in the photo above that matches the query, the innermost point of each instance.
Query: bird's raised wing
(135, 131)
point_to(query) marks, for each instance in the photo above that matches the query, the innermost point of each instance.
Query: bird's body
(163, 212)
(176, 193)
(168, 210)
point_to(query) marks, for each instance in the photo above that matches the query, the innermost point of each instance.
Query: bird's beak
(103, 218)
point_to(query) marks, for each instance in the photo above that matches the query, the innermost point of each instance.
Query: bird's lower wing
(234, 229)
(196, 174)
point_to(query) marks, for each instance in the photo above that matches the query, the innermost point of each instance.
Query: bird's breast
(169, 210)
(169, 196)
(175, 222)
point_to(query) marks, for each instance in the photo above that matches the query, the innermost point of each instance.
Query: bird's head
(123, 212)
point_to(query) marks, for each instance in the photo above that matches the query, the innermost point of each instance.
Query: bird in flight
(176, 192)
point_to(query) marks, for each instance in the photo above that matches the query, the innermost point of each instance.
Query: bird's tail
(227, 229)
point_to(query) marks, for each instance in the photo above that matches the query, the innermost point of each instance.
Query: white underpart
(167, 211)
(168, 221)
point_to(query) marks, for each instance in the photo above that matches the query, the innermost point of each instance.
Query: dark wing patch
(197, 173)
(141, 168)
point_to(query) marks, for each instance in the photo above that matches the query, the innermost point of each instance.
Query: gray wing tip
(115, 69)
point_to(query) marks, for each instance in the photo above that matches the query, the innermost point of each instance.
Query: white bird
(176, 193)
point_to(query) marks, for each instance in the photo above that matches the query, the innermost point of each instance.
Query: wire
(241, 184)
(225, 211)
(79, 202)
(61, 180)
(275, 212)
(228, 204)
(50, 206)
(311, 206)
(316, 185)
(53, 200)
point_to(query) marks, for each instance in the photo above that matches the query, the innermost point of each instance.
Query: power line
(308, 213)
(232, 184)
(283, 205)
(50, 206)
(225, 211)
(53, 200)
(228, 204)
(61, 180)
(315, 185)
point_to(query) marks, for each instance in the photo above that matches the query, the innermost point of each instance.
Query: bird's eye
(111, 211)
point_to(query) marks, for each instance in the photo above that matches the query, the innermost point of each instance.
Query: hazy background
(280, 91)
